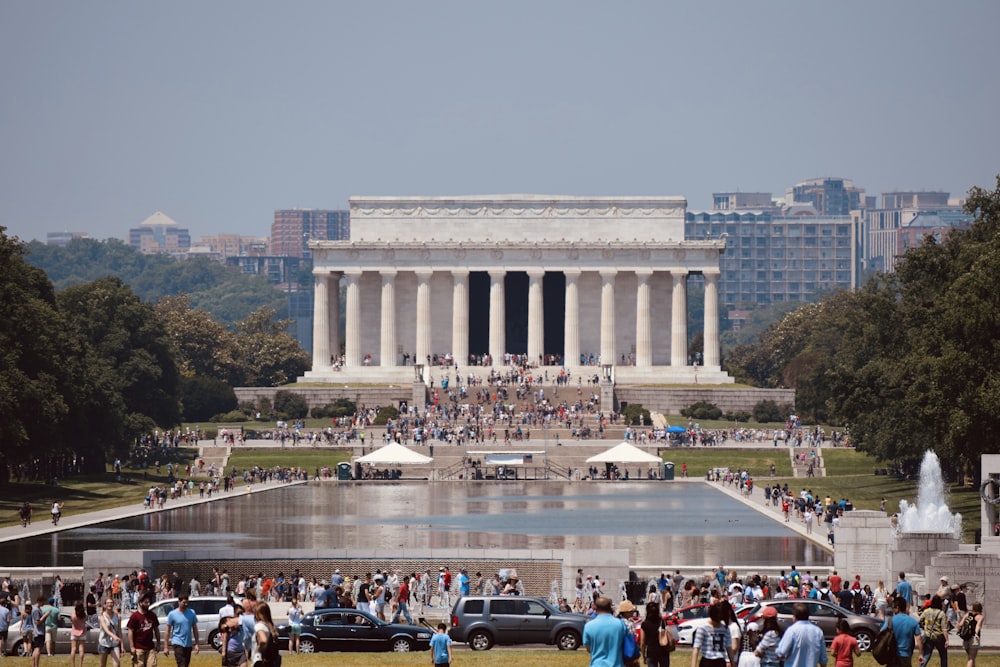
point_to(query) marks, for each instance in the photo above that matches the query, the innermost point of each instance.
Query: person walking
(603, 636)
(403, 602)
(907, 631)
(934, 631)
(713, 643)
(441, 647)
(767, 647)
(144, 634)
(109, 642)
(844, 647)
(295, 625)
(654, 654)
(264, 650)
(182, 633)
(78, 634)
(971, 645)
(802, 644)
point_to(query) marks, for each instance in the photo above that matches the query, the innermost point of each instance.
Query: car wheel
(20, 649)
(480, 640)
(567, 640)
(215, 640)
(401, 645)
(307, 645)
(865, 640)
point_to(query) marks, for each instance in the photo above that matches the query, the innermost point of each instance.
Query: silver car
(16, 644)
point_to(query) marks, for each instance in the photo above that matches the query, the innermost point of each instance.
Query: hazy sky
(217, 112)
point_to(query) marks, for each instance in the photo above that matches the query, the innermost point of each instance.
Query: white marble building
(602, 278)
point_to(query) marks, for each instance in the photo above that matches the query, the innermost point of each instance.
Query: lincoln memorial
(597, 285)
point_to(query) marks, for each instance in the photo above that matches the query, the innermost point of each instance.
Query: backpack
(967, 630)
(630, 648)
(884, 649)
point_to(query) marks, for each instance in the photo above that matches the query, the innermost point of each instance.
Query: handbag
(666, 638)
(884, 649)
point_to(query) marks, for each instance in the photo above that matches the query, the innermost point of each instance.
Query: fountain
(930, 514)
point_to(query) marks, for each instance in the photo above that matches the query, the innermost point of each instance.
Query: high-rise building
(223, 246)
(158, 233)
(772, 258)
(293, 229)
(829, 196)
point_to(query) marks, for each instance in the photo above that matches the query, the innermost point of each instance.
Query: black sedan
(353, 630)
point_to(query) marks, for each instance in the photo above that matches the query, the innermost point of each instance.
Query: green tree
(128, 354)
(204, 347)
(266, 352)
(34, 343)
(920, 371)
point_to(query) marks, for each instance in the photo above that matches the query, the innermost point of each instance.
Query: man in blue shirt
(463, 583)
(603, 636)
(904, 589)
(441, 646)
(907, 632)
(802, 644)
(182, 632)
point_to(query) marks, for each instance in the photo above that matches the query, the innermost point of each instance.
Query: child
(441, 647)
(844, 646)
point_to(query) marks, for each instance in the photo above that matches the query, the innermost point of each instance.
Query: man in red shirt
(144, 634)
(403, 602)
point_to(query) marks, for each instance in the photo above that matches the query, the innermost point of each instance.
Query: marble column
(352, 320)
(498, 319)
(460, 317)
(678, 320)
(388, 355)
(608, 317)
(423, 346)
(536, 317)
(711, 359)
(321, 322)
(333, 295)
(571, 337)
(643, 321)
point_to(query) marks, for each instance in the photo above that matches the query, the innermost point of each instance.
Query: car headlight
(423, 635)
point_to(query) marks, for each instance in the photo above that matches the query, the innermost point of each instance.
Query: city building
(829, 196)
(773, 258)
(62, 239)
(595, 284)
(902, 222)
(736, 201)
(223, 246)
(293, 229)
(158, 233)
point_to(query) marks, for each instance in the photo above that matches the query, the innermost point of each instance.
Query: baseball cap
(769, 612)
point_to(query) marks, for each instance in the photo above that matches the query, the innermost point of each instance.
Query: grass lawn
(88, 493)
(758, 461)
(542, 657)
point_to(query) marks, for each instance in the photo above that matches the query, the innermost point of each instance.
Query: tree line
(909, 362)
(85, 371)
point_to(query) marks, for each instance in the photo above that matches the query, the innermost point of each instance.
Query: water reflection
(660, 524)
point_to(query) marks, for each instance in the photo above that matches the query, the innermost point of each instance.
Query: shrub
(702, 410)
(739, 416)
(231, 417)
(636, 415)
(289, 405)
(768, 411)
(385, 413)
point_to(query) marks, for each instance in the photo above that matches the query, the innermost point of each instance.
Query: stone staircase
(809, 466)
(212, 453)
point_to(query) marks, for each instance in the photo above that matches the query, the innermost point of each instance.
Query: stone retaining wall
(657, 399)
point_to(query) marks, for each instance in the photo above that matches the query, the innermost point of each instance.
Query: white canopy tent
(394, 454)
(624, 453)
